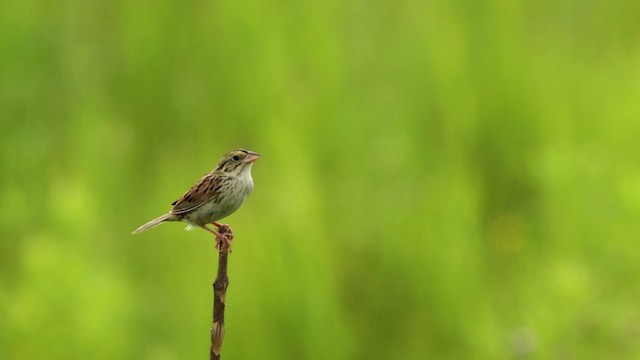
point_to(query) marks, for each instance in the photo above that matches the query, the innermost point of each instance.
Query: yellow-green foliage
(440, 179)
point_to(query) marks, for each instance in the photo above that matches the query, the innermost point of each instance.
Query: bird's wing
(197, 196)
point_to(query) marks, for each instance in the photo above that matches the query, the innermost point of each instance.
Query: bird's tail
(154, 222)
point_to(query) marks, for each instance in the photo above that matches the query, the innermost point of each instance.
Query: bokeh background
(440, 179)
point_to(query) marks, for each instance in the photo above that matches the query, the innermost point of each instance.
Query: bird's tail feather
(154, 223)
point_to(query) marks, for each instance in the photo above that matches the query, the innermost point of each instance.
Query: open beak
(251, 157)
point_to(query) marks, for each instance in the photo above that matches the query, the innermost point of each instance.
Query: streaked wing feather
(197, 196)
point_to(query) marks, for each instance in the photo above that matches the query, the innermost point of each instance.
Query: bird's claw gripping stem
(223, 237)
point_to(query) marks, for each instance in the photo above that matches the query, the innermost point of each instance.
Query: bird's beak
(251, 157)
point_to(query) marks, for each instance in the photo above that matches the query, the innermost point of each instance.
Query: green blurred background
(440, 179)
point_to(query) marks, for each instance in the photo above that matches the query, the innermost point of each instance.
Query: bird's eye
(236, 157)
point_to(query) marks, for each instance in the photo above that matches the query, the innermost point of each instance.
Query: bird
(215, 196)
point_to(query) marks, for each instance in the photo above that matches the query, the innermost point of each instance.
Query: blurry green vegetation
(440, 179)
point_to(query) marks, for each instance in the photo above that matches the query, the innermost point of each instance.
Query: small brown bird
(215, 196)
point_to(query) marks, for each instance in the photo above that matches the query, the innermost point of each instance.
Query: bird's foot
(223, 237)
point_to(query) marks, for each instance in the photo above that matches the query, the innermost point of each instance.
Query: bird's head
(236, 162)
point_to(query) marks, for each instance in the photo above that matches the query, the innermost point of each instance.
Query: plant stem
(219, 293)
